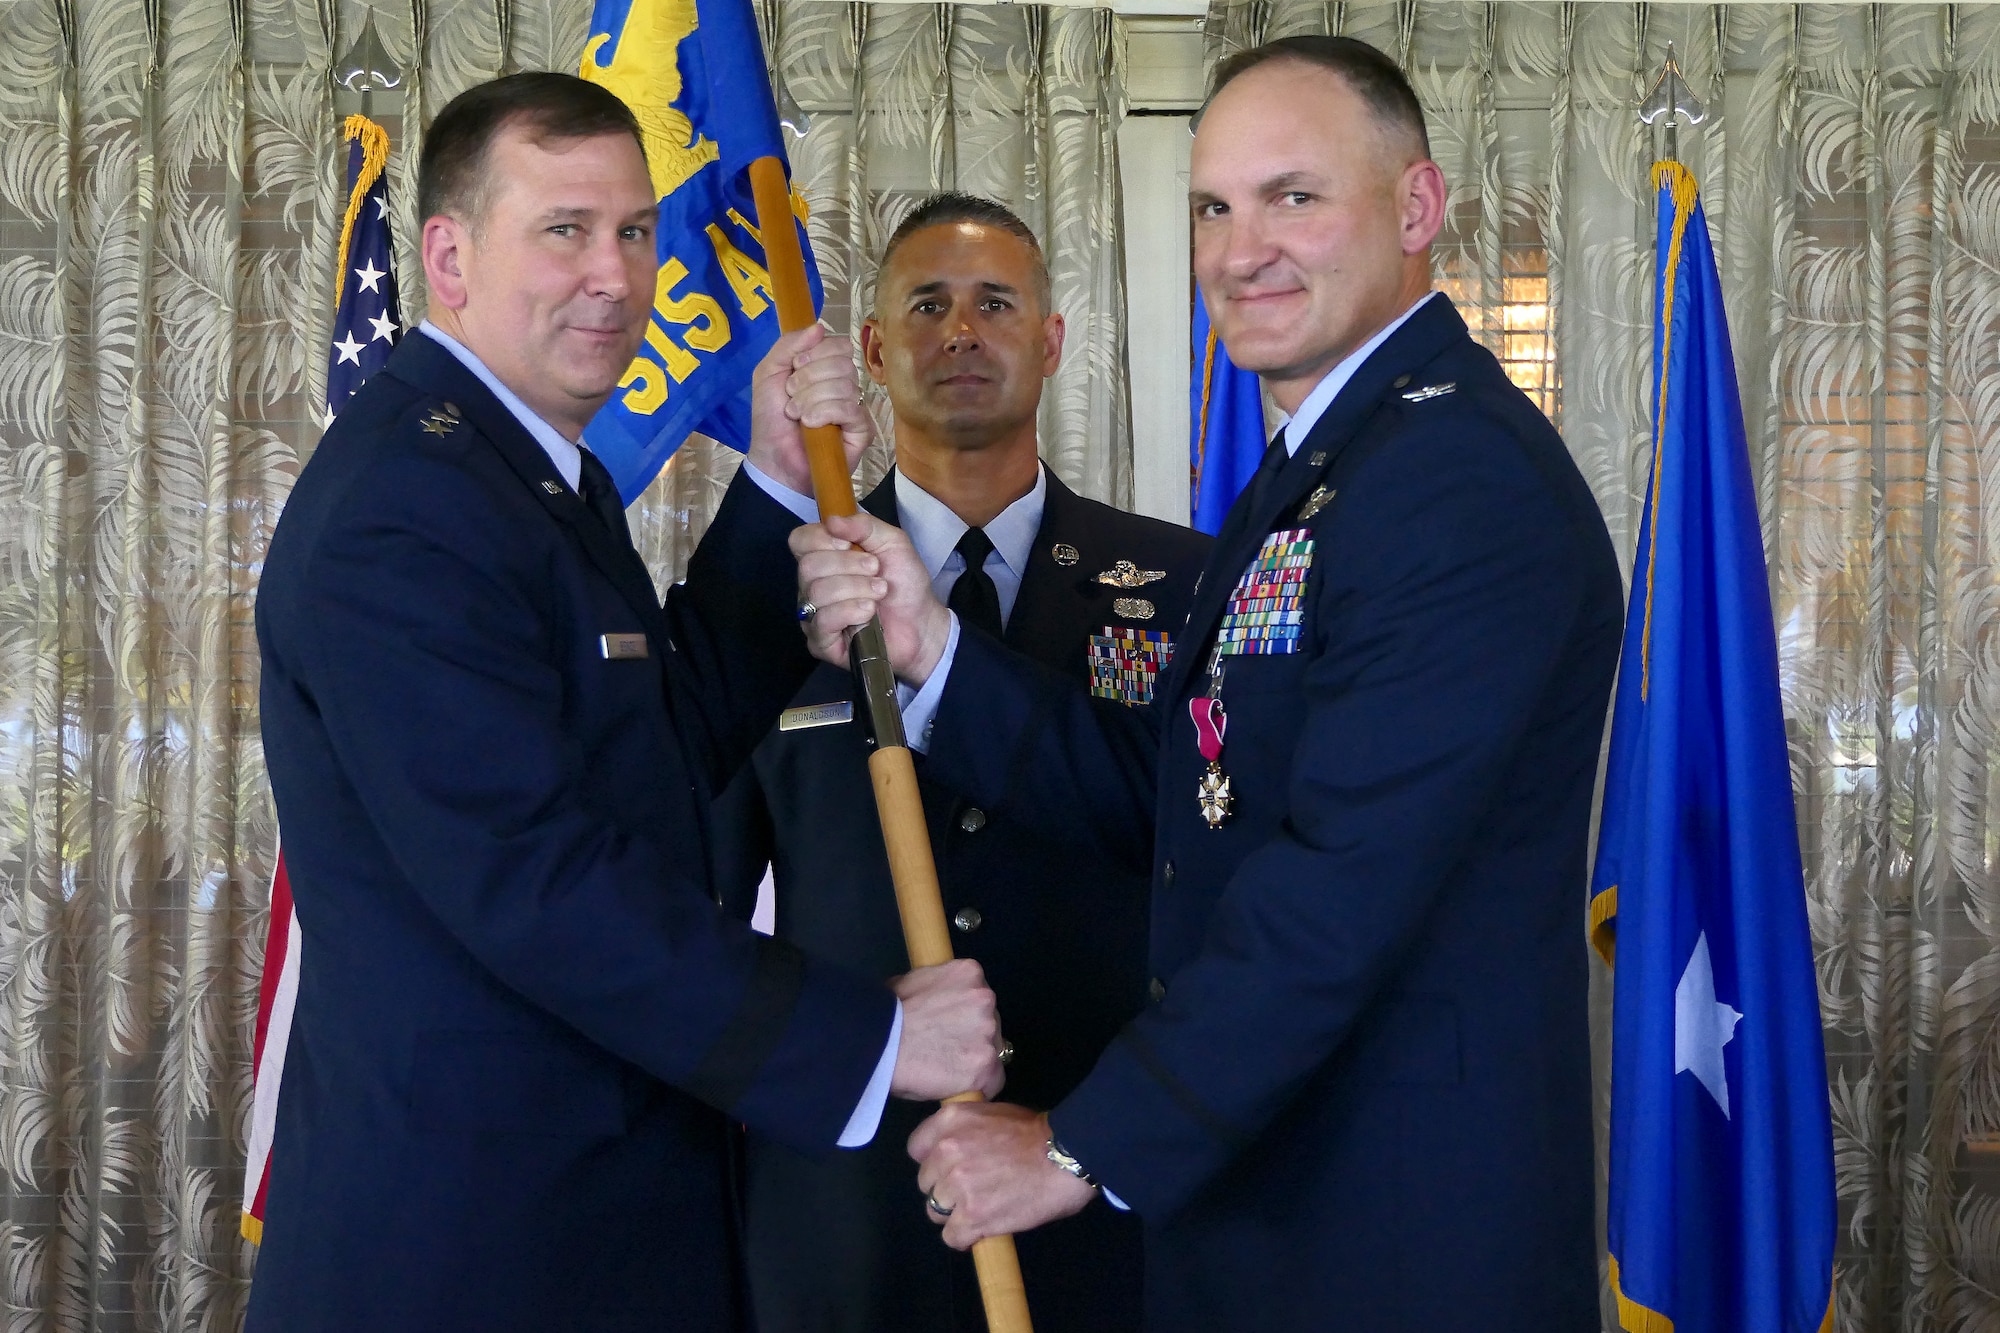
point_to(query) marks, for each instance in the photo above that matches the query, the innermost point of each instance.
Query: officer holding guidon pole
(1362, 1096)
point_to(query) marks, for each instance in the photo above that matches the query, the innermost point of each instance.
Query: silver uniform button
(973, 820)
(1157, 989)
(968, 919)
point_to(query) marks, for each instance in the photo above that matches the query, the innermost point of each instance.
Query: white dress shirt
(568, 459)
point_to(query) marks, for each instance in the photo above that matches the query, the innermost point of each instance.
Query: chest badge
(1125, 574)
(1133, 608)
(1320, 498)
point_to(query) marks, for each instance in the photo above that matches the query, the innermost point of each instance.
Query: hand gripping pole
(897, 800)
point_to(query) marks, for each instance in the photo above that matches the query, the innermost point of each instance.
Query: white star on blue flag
(368, 322)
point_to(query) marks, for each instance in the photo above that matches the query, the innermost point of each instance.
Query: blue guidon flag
(693, 73)
(1721, 1210)
(1227, 413)
(368, 322)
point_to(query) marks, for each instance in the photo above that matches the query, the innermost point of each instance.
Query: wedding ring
(806, 612)
(937, 1207)
(1006, 1052)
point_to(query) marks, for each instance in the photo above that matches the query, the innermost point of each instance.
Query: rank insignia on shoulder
(1430, 391)
(1320, 498)
(1125, 574)
(443, 420)
(1133, 608)
(1125, 662)
(1064, 553)
(1266, 609)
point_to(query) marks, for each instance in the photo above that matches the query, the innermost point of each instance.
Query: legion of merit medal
(1209, 724)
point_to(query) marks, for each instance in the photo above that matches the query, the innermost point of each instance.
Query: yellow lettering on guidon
(707, 326)
(746, 276)
(707, 330)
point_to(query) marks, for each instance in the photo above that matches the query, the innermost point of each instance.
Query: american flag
(366, 327)
(369, 321)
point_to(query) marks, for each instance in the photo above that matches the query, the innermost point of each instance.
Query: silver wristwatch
(1060, 1156)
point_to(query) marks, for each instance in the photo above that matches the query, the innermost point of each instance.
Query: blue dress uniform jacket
(1363, 1100)
(841, 1241)
(523, 1026)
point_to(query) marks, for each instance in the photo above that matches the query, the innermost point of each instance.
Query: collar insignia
(1064, 553)
(1430, 391)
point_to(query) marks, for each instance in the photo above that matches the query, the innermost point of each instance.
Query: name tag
(623, 647)
(816, 715)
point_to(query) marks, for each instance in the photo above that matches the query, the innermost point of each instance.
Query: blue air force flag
(693, 74)
(1721, 1213)
(368, 321)
(1227, 413)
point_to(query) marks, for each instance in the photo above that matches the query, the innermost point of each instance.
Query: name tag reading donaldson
(816, 715)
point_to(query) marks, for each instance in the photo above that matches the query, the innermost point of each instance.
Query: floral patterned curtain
(169, 181)
(1851, 172)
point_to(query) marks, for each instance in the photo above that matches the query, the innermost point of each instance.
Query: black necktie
(601, 494)
(974, 597)
(1274, 460)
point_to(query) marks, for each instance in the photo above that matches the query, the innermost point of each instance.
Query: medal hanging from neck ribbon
(1209, 725)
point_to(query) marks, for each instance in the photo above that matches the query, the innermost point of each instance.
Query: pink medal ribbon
(1209, 725)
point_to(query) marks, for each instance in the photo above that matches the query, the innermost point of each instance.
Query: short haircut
(451, 175)
(1370, 73)
(949, 206)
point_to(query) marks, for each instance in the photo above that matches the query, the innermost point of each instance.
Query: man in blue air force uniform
(963, 337)
(1362, 1100)
(524, 1028)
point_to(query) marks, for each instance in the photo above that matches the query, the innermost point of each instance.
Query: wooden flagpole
(897, 800)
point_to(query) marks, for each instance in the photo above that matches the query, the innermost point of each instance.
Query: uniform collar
(567, 458)
(1300, 424)
(934, 530)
